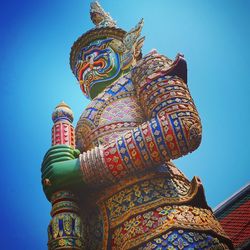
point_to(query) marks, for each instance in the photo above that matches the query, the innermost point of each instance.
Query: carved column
(65, 230)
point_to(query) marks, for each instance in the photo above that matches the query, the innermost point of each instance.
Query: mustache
(98, 65)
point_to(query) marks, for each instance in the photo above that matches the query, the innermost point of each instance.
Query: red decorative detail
(169, 135)
(114, 162)
(150, 142)
(138, 225)
(63, 133)
(237, 224)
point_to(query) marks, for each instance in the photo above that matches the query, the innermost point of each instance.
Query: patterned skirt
(154, 210)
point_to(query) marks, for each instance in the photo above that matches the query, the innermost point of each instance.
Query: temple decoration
(65, 230)
(234, 216)
(140, 118)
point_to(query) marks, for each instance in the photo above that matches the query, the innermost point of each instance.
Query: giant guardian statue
(111, 180)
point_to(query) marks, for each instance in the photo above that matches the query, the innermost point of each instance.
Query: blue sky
(36, 37)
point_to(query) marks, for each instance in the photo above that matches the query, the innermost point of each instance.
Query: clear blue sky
(36, 37)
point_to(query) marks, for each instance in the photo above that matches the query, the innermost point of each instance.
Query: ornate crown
(106, 28)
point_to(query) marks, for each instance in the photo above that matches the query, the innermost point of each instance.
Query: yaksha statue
(141, 116)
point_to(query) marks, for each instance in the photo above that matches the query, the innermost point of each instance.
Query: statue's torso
(146, 206)
(112, 113)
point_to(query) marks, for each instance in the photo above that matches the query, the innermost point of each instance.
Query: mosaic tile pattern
(184, 240)
(138, 123)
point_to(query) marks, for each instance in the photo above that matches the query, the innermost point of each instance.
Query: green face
(98, 65)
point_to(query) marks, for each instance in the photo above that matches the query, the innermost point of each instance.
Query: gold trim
(195, 188)
(145, 237)
(133, 211)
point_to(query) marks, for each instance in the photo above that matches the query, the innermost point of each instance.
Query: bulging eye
(92, 56)
(89, 57)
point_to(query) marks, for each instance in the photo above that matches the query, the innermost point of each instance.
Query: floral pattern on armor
(142, 227)
(184, 240)
(142, 194)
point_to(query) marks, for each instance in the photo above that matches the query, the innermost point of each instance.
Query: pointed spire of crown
(100, 17)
